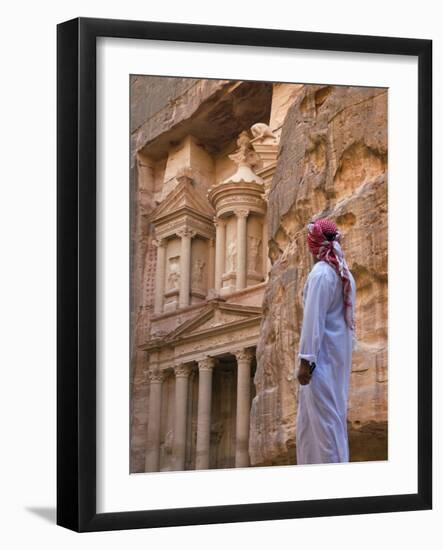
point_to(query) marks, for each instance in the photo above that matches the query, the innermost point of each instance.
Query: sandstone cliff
(332, 162)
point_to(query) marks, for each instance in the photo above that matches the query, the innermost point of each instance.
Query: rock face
(332, 162)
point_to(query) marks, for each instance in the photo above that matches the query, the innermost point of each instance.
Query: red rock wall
(332, 162)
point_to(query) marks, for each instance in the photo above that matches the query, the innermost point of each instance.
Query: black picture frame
(76, 273)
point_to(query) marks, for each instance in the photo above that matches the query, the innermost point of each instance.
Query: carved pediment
(216, 317)
(184, 198)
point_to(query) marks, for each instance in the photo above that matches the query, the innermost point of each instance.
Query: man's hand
(304, 372)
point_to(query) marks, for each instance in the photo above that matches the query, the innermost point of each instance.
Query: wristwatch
(312, 366)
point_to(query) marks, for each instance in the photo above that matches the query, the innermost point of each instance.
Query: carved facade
(211, 260)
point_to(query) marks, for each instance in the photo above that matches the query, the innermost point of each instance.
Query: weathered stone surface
(150, 95)
(332, 162)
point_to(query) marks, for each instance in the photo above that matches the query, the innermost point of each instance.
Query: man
(325, 352)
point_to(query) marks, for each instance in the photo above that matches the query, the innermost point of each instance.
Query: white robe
(321, 426)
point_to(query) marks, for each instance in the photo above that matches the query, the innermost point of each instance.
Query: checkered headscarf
(324, 243)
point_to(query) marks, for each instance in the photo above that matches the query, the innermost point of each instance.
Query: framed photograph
(244, 274)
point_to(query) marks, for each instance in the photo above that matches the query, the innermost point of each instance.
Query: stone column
(242, 216)
(205, 367)
(152, 460)
(244, 358)
(185, 266)
(160, 276)
(182, 372)
(211, 266)
(220, 246)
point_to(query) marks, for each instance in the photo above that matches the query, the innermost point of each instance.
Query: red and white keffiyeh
(324, 243)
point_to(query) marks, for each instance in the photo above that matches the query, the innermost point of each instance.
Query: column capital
(206, 364)
(221, 222)
(244, 354)
(160, 242)
(186, 233)
(182, 370)
(154, 375)
(241, 212)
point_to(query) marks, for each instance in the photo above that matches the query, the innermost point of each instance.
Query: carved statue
(253, 253)
(243, 140)
(244, 155)
(232, 256)
(198, 272)
(174, 272)
(261, 131)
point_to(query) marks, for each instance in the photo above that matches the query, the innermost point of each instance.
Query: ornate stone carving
(208, 363)
(217, 431)
(219, 221)
(246, 159)
(241, 212)
(254, 247)
(177, 194)
(245, 154)
(198, 272)
(184, 176)
(182, 370)
(244, 354)
(231, 256)
(174, 273)
(235, 199)
(242, 154)
(172, 228)
(212, 343)
(262, 132)
(265, 144)
(186, 232)
(154, 375)
(168, 442)
(159, 242)
(157, 332)
(233, 193)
